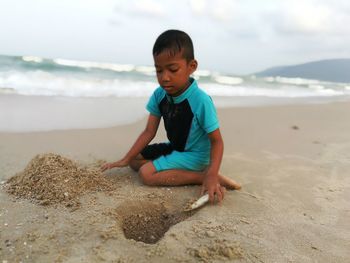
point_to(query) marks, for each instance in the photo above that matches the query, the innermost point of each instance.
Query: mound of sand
(52, 179)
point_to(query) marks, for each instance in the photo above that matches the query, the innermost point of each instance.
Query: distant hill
(335, 70)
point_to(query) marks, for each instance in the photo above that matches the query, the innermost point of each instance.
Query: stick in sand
(198, 203)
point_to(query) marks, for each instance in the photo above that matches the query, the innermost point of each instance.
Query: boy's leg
(176, 177)
(229, 183)
(150, 152)
(173, 177)
(137, 162)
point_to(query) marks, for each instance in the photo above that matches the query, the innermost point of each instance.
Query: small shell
(200, 202)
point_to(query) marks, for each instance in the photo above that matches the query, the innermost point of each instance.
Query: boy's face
(173, 72)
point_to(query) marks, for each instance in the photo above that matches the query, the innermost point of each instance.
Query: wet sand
(293, 162)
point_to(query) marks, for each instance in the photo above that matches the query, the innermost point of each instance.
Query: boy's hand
(120, 163)
(212, 186)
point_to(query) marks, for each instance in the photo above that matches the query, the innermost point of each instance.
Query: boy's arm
(211, 181)
(141, 142)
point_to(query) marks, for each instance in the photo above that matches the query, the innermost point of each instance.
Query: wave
(228, 80)
(96, 65)
(48, 84)
(31, 75)
(32, 59)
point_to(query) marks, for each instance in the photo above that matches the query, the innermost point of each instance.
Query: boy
(195, 148)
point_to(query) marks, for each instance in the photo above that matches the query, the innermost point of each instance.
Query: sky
(231, 36)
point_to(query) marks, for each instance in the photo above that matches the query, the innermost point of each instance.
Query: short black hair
(174, 41)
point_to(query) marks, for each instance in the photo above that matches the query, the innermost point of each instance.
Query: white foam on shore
(49, 94)
(32, 76)
(292, 81)
(284, 91)
(44, 83)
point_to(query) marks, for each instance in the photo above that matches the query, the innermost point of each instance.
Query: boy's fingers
(105, 167)
(219, 194)
(223, 191)
(211, 197)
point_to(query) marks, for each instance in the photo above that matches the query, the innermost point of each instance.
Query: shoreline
(292, 160)
(22, 114)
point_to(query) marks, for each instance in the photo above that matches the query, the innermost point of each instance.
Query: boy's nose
(165, 76)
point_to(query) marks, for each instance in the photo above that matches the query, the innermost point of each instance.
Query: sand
(292, 161)
(53, 179)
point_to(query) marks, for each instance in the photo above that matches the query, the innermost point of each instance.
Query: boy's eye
(174, 69)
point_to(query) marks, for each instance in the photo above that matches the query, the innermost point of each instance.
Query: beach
(291, 160)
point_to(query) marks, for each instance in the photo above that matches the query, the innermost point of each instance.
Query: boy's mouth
(168, 87)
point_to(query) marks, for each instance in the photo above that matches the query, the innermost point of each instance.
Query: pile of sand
(52, 179)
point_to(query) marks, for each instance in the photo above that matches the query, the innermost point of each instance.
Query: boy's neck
(188, 84)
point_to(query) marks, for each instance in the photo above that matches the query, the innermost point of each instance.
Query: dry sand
(53, 179)
(293, 162)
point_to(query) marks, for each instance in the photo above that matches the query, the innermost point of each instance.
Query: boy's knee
(134, 165)
(147, 175)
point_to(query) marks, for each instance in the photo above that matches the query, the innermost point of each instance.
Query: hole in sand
(148, 221)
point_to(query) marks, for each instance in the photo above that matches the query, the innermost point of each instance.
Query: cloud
(198, 7)
(141, 8)
(303, 18)
(219, 11)
(275, 32)
(149, 8)
(279, 18)
(224, 10)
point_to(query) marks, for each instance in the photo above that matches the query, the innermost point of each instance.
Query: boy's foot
(229, 183)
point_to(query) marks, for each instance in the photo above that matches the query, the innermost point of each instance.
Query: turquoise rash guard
(188, 118)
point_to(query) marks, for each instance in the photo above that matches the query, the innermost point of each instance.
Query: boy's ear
(193, 65)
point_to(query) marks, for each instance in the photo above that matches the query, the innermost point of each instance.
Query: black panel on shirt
(177, 121)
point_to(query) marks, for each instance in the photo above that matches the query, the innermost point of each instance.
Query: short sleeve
(152, 105)
(207, 115)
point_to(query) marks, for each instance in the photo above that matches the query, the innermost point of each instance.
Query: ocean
(38, 94)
